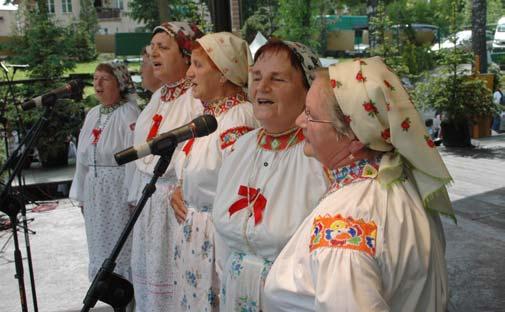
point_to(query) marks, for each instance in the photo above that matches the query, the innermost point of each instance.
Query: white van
(499, 36)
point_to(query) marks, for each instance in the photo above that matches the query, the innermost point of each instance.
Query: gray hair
(328, 98)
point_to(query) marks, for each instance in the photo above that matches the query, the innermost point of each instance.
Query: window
(66, 6)
(118, 4)
(50, 6)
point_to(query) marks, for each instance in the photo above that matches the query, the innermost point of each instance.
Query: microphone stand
(108, 286)
(12, 205)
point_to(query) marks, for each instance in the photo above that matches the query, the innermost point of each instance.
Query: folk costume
(99, 184)
(375, 241)
(262, 196)
(170, 107)
(198, 166)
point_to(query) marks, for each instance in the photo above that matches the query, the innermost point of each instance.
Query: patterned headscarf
(230, 54)
(383, 117)
(308, 59)
(124, 78)
(184, 33)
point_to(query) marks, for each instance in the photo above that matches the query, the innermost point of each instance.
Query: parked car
(463, 40)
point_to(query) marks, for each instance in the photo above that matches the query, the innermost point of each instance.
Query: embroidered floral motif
(212, 297)
(187, 232)
(360, 77)
(184, 303)
(281, 142)
(175, 90)
(406, 124)
(267, 265)
(244, 304)
(206, 247)
(335, 83)
(177, 252)
(429, 141)
(370, 108)
(222, 105)
(230, 136)
(386, 134)
(340, 232)
(236, 264)
(192, 278)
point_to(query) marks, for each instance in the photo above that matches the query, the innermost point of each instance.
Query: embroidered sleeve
(340, 232)
(231, 135)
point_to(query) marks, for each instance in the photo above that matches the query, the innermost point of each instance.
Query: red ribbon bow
(251, 195)
(156, 125)
(96, 135)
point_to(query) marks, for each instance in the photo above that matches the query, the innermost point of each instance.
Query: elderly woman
(99, 184)
(149, 81)
(261, 196)
(218, 71)
(375, 241)
(170, 107)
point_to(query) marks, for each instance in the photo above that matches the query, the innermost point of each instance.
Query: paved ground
(475, 246)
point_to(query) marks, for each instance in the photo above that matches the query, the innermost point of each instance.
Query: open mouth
(264, 101)
(156, 65)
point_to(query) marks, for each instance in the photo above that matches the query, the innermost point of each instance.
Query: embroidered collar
(172, 91)
(281, 141)
(104, 110)
(357, 171)
(222, 105)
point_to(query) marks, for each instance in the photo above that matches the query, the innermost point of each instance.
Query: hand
(178, 205)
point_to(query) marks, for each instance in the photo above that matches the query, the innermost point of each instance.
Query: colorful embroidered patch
(231, 135)
(223, 105)
(339, 232)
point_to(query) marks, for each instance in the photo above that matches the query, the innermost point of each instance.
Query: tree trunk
(479, 47)
(371, 10)
(163, 10)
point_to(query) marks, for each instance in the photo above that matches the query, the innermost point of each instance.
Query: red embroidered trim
(170, 93)
(230, 136)
(188, 146)
(340, 232)
(96, 135)
(223, 105)
(278, 143)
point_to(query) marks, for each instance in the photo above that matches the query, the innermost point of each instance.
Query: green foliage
(180, 10)
(262, 20)
(451, 91)
(81, 44)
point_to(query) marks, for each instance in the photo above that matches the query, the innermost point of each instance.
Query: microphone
(198, 127)
(73, 90)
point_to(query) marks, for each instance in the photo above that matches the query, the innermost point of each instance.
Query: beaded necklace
(97, 131)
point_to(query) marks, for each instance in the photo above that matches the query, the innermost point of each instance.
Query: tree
(479, 47)
(152, 13)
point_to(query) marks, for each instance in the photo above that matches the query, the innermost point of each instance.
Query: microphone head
(204, 125)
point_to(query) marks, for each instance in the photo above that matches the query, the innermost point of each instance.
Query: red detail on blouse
(188, 146)
(96, 135)
(250, 195)
(230, 136)
(155, 126)
(278, 143)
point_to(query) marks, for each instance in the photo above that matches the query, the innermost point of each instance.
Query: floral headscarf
(381, 114)
(124, 78)
(230, 54)
(308, 59)
(184, 33)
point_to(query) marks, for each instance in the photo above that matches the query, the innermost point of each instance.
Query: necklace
(97, 131)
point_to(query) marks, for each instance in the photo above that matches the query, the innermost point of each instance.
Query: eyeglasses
(308, 118)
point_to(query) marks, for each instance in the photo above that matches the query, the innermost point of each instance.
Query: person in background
(149, 81)
(497, 100)
(375, 242)
(218, 71)
(171, 106)
(262, 193)
(100, 185)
